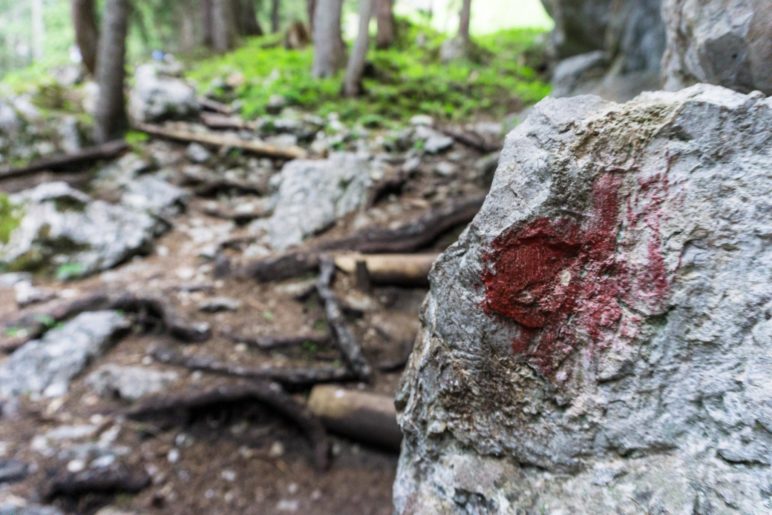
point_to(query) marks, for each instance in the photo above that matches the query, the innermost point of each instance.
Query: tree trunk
(38, 29)
(110, 118)
(223, 25)
(311, 8)
(247, 16)
(275, 16)
(207, 31)
(463, 20)
(86, 32)
(329, 50)
(387, 27)
(352, 84)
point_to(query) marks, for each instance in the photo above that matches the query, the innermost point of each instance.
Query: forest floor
(84, 452)
(232, 457)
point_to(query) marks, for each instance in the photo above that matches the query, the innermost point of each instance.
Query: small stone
(276, 450)
(421, 119)
(228, 475)
(198, 153)
(173, 456)
(445, 169)
(76, 466)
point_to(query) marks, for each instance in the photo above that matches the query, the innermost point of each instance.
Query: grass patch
(10, 218)
(402, 81)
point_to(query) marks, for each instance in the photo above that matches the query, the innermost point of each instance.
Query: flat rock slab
(46, 366)
(599, 338)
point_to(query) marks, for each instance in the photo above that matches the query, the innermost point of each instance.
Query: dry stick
(344, 339)
(391, 269)
(205, 138)
(264, 392)
(268, 343)
(212, 105)
(110, 480)
(221, 122)
(290, 376)
(408, 237)
(67, 162)
(363, 416)
(35, 324)
(471, 139)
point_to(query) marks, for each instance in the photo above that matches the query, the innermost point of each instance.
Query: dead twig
(289, 376)
(268, 393)
(282, 341)
(179, 133)
(342, 336)
(68, 162)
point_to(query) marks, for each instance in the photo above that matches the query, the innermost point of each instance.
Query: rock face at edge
(725, 42)
(609, 47)
(599, 339)
(159, 95)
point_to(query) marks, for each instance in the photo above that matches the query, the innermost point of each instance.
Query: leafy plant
(10, 218)
(67, 271)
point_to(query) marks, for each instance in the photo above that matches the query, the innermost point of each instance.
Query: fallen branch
(290, 376)
(224, 122)
(150, 310)
(362, 416)
(270, 394)
(68, 162)
(269, 343)
(208, 104)
(342, 336)
(411, 236)
(391, 269)
(229, 141)
(105, 480)
(472, 140)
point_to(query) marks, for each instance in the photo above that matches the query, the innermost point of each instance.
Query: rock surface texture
(599, 338)
(159, 95)
(611, 47)
(725, 42)
(312, 195)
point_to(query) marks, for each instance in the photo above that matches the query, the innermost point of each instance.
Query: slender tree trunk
(86, 32)
(464, 19)
(311, 9)
(387, 26)
(207, 33)
(352, 84)
(275, 16)
(223, 25)
(247, 16)
(329, 50)
(110, 117)
(38, 29)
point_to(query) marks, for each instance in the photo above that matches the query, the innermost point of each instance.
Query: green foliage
(10, 218)
(67, 271)
(405, 80)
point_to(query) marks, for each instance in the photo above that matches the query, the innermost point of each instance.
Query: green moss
(10, 218)
(404, 80)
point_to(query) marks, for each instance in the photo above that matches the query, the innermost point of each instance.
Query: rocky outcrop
(312, 195)
(62, 226)
(725, 42)
(609, 47)
(158, 94)
(599, 338)
(46, 366)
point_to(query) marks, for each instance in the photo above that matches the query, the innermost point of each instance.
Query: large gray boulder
(46, 366)
(726, 42)
(599, 339)
(159, 95)
(312, 195)
(60, 225)
(609, 47)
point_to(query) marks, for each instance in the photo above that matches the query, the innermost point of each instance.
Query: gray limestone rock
(46, 366)
(725, 42)
(63, 226)
(599, 338)
(158, 95)
(312, 195)
(629, 34)
(129, 382)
